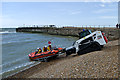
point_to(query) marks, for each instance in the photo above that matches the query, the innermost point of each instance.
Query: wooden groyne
(111, 33)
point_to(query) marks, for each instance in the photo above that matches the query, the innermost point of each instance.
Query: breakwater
(111, 33)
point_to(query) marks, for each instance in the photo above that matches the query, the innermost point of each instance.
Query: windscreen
(84, 33)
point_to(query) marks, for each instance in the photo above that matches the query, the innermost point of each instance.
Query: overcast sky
(15, 14)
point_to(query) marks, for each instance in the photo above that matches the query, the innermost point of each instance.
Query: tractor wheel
(86, 48)
(96, 46)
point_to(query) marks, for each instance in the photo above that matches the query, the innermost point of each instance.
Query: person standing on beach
(117, 25)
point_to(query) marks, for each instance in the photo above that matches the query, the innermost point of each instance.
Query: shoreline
(73, 64)
(22, 70)
(43, 64)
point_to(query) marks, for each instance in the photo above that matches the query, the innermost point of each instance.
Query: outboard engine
(70, 50)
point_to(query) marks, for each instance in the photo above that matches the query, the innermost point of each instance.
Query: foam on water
(6, 32)
(15, 61)
(20, 66)
(26, 41)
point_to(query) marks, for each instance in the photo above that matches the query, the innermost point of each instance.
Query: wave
(22, 42)
(7, 32)
(15, 61)
(27, 65)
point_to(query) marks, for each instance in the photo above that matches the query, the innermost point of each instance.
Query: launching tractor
(87, 42)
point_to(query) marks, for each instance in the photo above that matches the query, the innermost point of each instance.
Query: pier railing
(70, 26)
(110, 30)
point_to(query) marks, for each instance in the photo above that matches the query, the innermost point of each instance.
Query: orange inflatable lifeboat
(43, 56)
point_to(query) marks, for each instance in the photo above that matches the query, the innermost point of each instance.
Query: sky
(15, 14)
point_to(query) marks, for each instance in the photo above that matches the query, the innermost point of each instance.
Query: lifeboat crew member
(45, 49)
(49, 47)
(39, 50)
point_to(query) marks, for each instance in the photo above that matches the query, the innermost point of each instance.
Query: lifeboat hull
(43, 56)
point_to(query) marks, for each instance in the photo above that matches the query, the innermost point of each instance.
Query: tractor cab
(84, 33)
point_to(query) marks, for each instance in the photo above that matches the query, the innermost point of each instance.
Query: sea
(17, 45)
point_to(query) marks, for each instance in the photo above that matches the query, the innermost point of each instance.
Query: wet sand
(97, 64)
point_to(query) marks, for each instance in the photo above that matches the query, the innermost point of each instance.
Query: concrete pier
(111, 33)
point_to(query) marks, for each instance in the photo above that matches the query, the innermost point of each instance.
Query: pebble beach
(97, 64)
